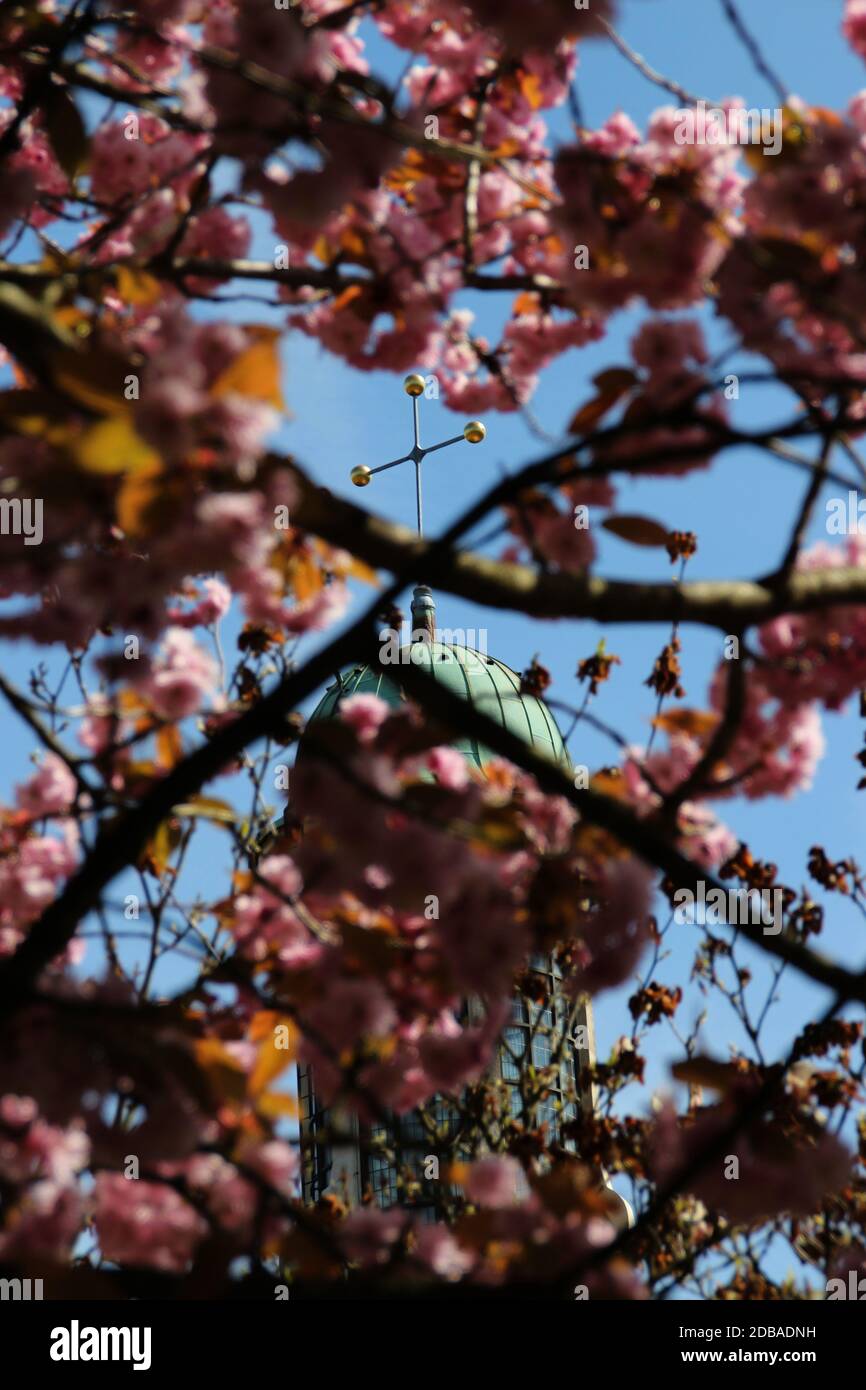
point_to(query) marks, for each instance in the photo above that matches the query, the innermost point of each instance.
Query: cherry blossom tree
(148, 1138)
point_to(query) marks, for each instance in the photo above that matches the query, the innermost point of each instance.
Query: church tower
(548, 1031)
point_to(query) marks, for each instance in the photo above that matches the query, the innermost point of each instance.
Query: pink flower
(97, 728)
(484, 937)
(317, 613)
(207, 610)
(495, 1183)
(182, 677)
(30, 1148)
(436, 1247)
(662, 346)
(51, 791)
(540, 23)
(32, 166)
(449, 768)
(276, 1162)
(774, 1174)
(282, 872)
(368, 1234)
(166, 413)
(127, 161)
(365, 714)
(262, 922)
(614, 934)
(216, 235)
(854, 25)
(29, 880)
(48, 1219)
(231, 1199)
(349, 1011)
(233, 523)
(145, 1224)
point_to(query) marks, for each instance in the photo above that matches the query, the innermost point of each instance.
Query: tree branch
(730, 605)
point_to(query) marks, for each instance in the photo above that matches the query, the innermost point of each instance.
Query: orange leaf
(350, 564)
(324, 251)
(352, 243)
(612, 386)
(305, 577)
(112, 446)
(507, 149)
(207, 808)
(161, 847)
(610, 782)
(95, 378)
(262, 1024)
(358, 570)
(169, 746)
(130, 702)
(706, 1071)
(526, 303)
(277, 1105)
(695, 722)
(345, 299)
(530, 86)
(615, 379)
(256, 372)
(135, 501)
(224, 1072)
(136, 286)
(277, 1038)
(637, 530)
(590, 414)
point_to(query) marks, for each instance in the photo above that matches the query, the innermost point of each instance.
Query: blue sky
(741, 508)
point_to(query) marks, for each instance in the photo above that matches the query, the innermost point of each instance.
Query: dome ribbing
(488, 685)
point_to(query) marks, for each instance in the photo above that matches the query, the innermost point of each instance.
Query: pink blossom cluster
(774, 1174)
(808, 660)
(251, 120)
(189, 413)
(453, 917)
(182, 404)
(410, 223)
(141, 164)
(145, 1224)
(671, 359)
(181, 678)
(39, 1167)
(34, 865)
(654, 216)
(159, 1222)
(792, 284)
(541, 23)
(562, 539)
(661, 219)
(518, 1224)
(854, 25)
(818, 656)
(207, 608)
(31, 177)
(266, 925)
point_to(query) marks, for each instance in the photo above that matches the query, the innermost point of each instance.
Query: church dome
(488, 685)
(493, 689)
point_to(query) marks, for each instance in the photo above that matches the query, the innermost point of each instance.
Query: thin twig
(754, 51)
(649, 72)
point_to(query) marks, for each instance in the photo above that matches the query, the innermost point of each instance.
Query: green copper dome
(489, 685)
